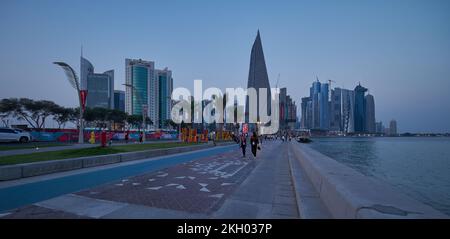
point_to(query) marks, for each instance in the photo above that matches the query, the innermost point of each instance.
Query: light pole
(144, 107)
(73, 80)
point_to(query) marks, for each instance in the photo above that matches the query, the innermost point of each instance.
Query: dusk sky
(400, 50)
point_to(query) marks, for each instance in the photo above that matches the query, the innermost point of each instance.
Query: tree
(170, 123)
(34, 112)
(136, 121)
(7, 109)
(61, 115)
(74, 116)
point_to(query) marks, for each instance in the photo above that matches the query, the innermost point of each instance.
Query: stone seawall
(349, 194)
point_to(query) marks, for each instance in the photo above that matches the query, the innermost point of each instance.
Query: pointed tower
(257, 76)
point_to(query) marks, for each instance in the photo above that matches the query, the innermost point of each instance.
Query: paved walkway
(73, 146)
(222, 185)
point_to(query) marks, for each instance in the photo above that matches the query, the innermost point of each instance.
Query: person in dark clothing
(243, 142)
(141, 137)
(254, 143)
(127, 137)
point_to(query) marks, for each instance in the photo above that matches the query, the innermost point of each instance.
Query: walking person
(127, 136)
(243, 144)
(254, 144)
(141, 137)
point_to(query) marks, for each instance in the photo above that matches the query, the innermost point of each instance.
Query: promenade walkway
(217, 185)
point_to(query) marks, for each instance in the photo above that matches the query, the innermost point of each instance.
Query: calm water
(419, 167)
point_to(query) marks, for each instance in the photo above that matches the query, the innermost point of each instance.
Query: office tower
(283, 108)
(347, 111)
(99, 86)
(335, 110)
(119, 100)
(360, 109)
(258, 78)
(370, 114)
(143, 94)
(305, 114)
(393, 128)
(324, 107)
(379, 129)
(315, 96)
(165, 88)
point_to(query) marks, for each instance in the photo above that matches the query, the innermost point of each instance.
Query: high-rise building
(99, 86)
(165, 88)
(379, 128)
(393, 128)
(140, 75)
(335, 110)
(283, 107)
(315, 97)
(324, 107)
(258, 78)
(360, 109)
(370, 114)
(305, 122)
(347, 111)
(119, 100)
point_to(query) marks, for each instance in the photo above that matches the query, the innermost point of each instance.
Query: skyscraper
(165, 88)
(314, 92)
(119, 100)
(360, 109)
(324, 110)
(393, 128)
(379, 128)
(99, 86)
(305, 121)
(335, 110)
(370, 114)
(140, 75)
(282, 102)
(347, 111)
(257, 77)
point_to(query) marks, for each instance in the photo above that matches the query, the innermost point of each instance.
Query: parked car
(14, 135)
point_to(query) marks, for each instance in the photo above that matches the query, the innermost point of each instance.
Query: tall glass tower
(360, 109)
(140, 74)
(257, 77)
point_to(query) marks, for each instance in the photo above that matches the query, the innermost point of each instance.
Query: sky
(399, 50)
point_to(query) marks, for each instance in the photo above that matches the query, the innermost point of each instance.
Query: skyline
(399, 51)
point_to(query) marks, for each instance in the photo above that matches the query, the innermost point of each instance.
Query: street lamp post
(144, 107)
(73, 80)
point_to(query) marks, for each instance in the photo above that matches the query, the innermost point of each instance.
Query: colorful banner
(83, 95)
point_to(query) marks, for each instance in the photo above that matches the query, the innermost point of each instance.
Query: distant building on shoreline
(151, 88)
(341, 110)
(99, 86)
(119, 100)
(393, 128)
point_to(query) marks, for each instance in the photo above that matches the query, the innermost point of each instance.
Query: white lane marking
(154, 188)
(172, 184)
(181, 187)
(136, 184)
(216, 195)
(162, 175)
